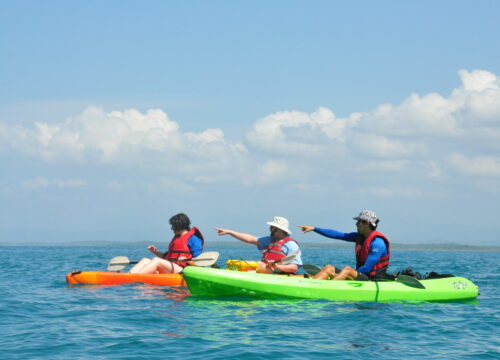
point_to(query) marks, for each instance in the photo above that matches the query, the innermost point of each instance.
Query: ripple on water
(44, 318)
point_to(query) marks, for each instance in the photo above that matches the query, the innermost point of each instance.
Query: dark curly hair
(180, 222)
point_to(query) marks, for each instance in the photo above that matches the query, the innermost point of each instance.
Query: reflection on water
(55, 321)
(253, 314)
(174, 293)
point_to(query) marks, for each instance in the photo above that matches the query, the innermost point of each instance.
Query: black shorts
(362, 277)
(279, 272)
(380, 276)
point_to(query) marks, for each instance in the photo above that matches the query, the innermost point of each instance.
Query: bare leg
(328, 272)
(139, 266)
(347, 273)
(161, 266)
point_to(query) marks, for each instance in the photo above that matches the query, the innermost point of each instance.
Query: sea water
(41, 317)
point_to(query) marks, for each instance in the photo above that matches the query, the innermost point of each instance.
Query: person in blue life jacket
(372, 250)
(274, 247)
(186, 244)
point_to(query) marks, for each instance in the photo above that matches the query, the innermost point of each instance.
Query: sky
(116, 115)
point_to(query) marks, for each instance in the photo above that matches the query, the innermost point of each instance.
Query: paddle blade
(206, 259)
(118, 263)
(410, 281)
(287, 259)
(311, 269)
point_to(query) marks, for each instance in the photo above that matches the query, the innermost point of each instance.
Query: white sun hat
(368, 215)
(280, 223)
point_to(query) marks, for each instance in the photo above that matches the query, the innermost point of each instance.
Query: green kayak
(216, 282)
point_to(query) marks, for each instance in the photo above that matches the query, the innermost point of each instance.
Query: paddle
(312, 270)
(286, 259)
(205, 259)
(410, 281)
(119, 262)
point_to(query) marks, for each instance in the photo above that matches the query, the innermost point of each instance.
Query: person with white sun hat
(278, 245)
(372, 250)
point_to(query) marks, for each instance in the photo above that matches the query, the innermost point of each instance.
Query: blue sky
(116, 115)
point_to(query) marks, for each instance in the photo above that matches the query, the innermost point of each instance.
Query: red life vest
(274, 251)
(179, 246)
(363, 249)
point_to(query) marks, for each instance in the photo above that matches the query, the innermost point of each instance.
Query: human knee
(157, 261)
(347, 269)
(329, 268)
(165, 266)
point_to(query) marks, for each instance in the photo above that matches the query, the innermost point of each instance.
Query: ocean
(41, 317)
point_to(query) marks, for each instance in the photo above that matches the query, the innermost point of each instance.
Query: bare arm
(155, 251)
(290, 268)
(238, 235)
(268, 267)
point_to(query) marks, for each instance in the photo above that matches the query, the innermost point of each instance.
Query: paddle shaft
(285, 259)
(135, 262)
(204, 259)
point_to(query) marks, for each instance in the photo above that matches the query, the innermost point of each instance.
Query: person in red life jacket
(274, 247)
(372, 250)
(186, 244)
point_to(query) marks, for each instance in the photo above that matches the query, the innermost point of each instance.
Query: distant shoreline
(304, 245)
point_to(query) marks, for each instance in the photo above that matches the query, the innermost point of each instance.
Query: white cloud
(311, 188)
(484, 105)
(111, 136)
(391, 192)
(431, 114)
(488, 185)
(131, 138)
(295, 132)
(170, 186)
(95, 134)
(272, 170)
(478, 80)
(385, 166)
(475, 166)
(475, 103)
(422, 129)
(432, 168)
(414, 137)
(384, 147)
(389, 131)
(42, 182)
(206, 137)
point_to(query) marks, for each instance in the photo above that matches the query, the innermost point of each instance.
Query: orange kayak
(113, 278)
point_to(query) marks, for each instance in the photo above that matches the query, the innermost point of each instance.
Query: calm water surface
(43, 318)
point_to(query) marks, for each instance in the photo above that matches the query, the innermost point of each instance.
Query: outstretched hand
(152, 248)
(306, 228)
(221, 231)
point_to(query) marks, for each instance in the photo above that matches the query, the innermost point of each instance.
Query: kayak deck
(114, 278)
(224, 283)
